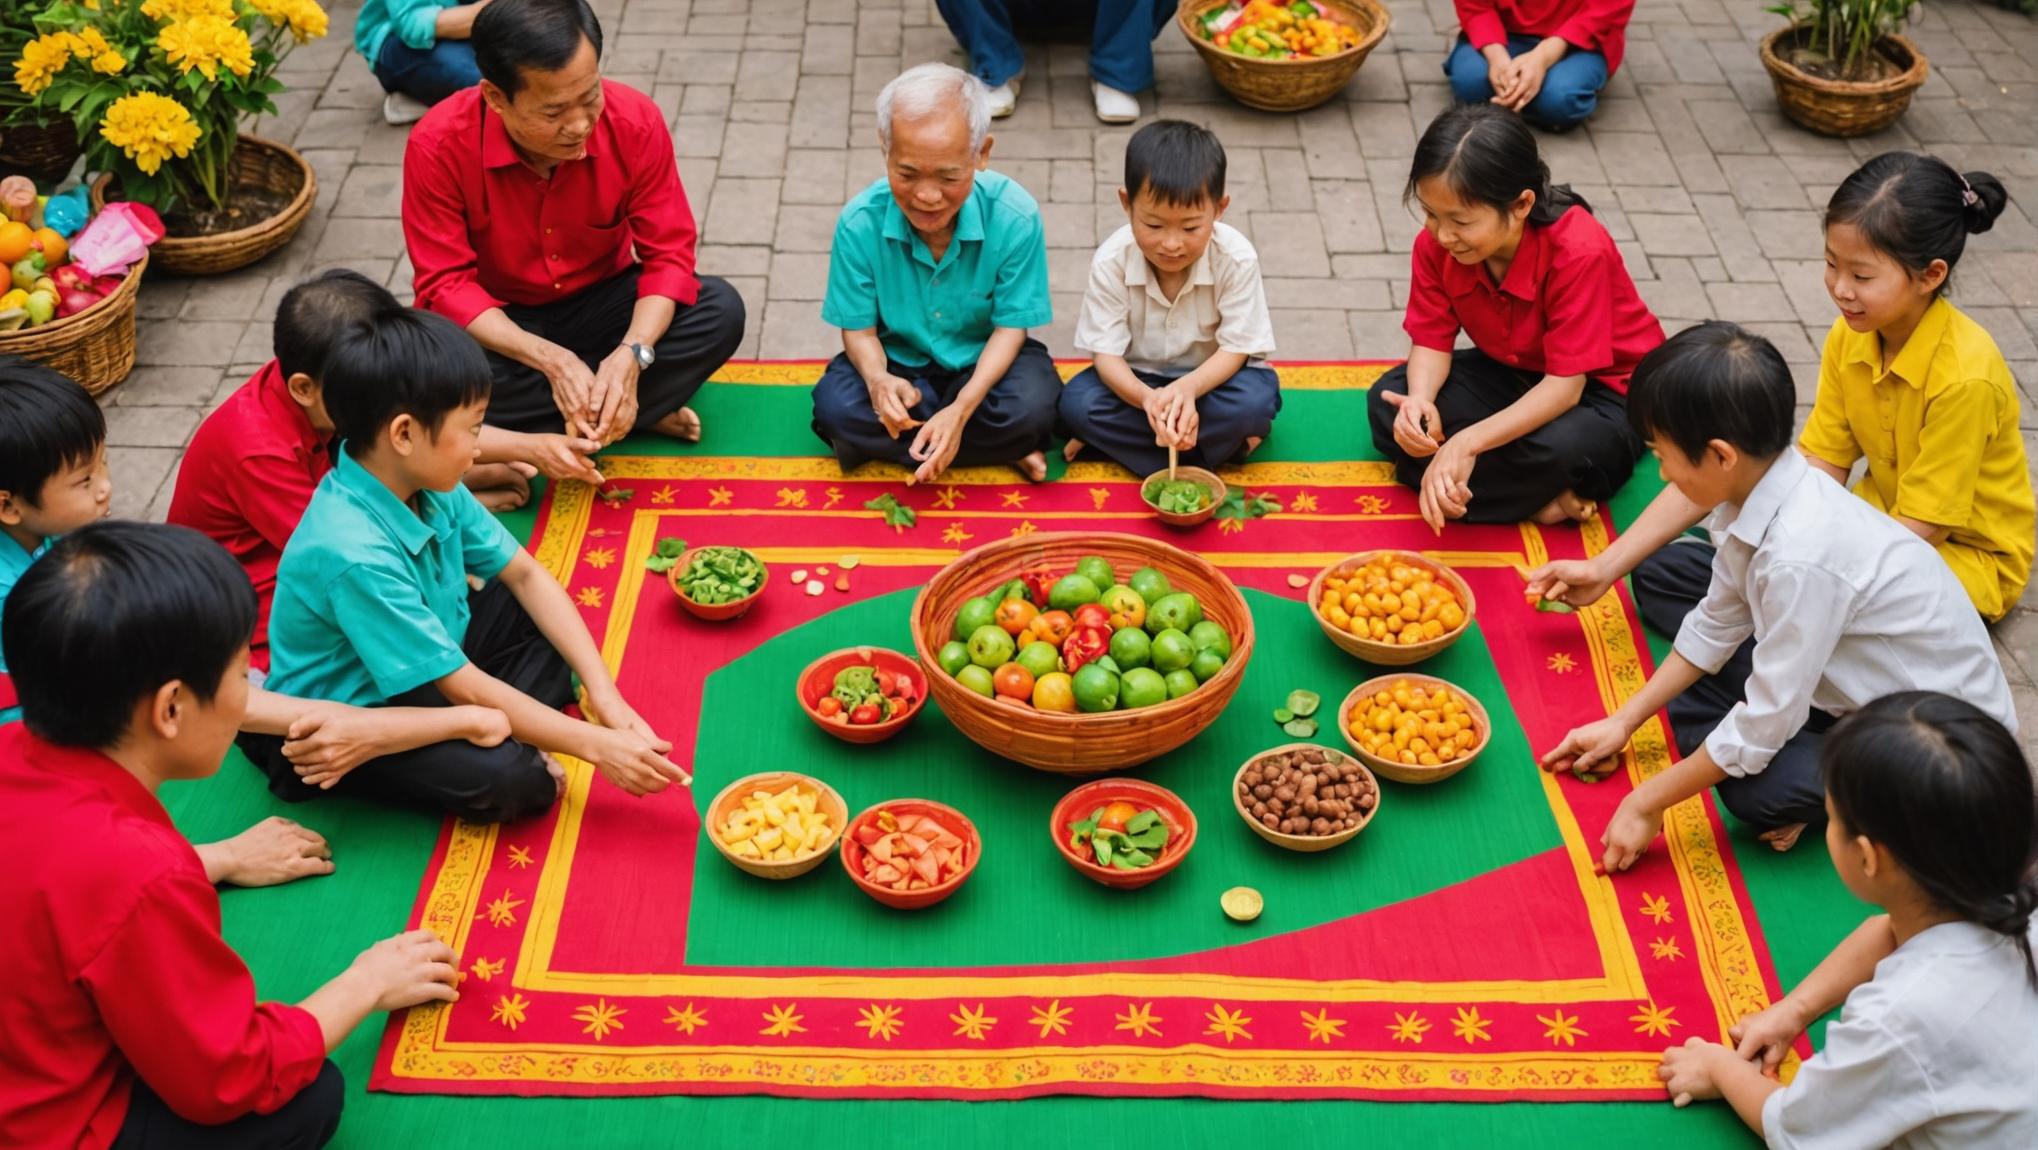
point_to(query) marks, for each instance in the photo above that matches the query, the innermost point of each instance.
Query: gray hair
(926, 88)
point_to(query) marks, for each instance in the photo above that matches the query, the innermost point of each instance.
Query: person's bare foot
(499, 486)
(1071, 449)
(558, 773)
(683, 425)
(1566, 508)
(1252, 444)
(1782, 838)
(1033, 467)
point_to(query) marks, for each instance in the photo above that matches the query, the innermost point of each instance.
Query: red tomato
(1054, 626)
(1014, 681)
(864, 714)
(1014, 615)
(1116, 816)
(829, 706)
(887, 683)
(1093, 615)
(1083, 645)
(1040, 581)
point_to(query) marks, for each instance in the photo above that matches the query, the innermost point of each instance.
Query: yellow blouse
(1939, 429)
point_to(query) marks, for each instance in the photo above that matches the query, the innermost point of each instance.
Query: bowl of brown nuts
(1305, 797)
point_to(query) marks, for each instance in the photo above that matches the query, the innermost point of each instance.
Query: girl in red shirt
(1529, 423)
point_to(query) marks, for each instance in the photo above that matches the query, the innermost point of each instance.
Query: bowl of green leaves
(1191, 497)
(717, 583)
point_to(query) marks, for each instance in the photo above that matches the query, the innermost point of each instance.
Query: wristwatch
(645, 356)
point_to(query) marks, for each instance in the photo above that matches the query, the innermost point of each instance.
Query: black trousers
(1589, 450)
(1667, 586)
(496, 784)
(306, 1122)
(592, 324)
(1015, 419)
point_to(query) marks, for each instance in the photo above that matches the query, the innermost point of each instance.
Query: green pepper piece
(1102, 846)
(1122, 862)
(1283, 715)
(1137, 858)
(1139, 823)
(1555, 607)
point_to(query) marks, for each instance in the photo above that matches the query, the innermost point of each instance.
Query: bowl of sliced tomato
(1122, 833)
(862, 694)
(911, 853)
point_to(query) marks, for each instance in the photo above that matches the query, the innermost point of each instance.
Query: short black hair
(1714, 381)
(402, 361)
(47, 423)
(316, 311)
(1177, 163)
(114, 611)
(1915, 208)
(514, 36)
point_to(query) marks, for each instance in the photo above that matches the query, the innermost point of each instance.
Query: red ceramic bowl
(1077, 805)
(954, 820)
(819, 677)
(716, 612)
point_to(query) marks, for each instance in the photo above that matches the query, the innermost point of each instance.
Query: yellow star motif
(520, 857)
(589, 597)
(1230, 1023)
(1025, 527)
(1016, 498)
(509, 1010)
(664, 494)
(971, 1023)
(1098, 497)
(1561, 1029)
(792, 497)
(486, 970)
(600, 557)
(1657, 907)
(1409, 1027)
(1562, 663)
(1053, 1018)
(1230, 526)
(949, 497)
(1303, 501)
(1651, 1019)
(686, 1021)
(1666, 948)
(782, 1021)
(1371, 504)
(1322, 1026)
(834, 495)
(503, 911)
(1140, 1020)
(601, 1017)
(720, 496)
(1469, 1026)
(953, 533)
(881, 1021)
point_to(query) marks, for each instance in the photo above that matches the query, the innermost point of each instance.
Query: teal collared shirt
(13, 563)
(371, 595)
(993, 275)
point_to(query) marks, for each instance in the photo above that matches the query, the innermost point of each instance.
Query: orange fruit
(54, 246)
(15, 238)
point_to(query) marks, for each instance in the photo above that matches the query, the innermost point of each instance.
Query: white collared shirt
(1846, 606)
(1222, 306)
(1939, 1049)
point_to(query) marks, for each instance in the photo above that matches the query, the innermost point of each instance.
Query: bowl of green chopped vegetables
(717, 583)
(1188, 499)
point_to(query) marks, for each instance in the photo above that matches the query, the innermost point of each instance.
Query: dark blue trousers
(1570, 90)
(1121, 35)
(1667, 585)
(1015, 419)
(1241, 408)
(426, 74)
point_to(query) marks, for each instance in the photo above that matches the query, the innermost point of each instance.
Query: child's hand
(630, 761)
(1633, 827)
(271, 852)
(1687, 1071)
(1500, 74)
(1163, 414)
(408, 969)
(328, 741)
(1447, 485)
(1418, 426)
(1596, 744)
(1578, 582)
(1766, 1036)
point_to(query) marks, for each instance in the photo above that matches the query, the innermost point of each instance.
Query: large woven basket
(1287, 85)
(1078, 744)
(257, 163)
(1841, 107)
(45, 151)
(94, 347)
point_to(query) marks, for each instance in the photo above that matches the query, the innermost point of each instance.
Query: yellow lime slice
(1241, 903)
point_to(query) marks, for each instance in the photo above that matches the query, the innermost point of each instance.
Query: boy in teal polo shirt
(935, 274)
(372, 603)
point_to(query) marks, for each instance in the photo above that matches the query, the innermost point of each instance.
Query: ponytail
(1488, 156)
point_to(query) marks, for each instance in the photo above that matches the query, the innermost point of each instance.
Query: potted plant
(31, 142)
(1840, 66)
(157, 90)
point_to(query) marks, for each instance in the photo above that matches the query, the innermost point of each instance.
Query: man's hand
(408, 969)
(271, 852)
(1594, 747)
(937, 441)
(613, 405)
(1418, 427)
(572, 390)
(1633, 827)
(629, 760)
(1447, 484)
(894, 398)
(1765, 1036)
(1579, 582)
(563, 457)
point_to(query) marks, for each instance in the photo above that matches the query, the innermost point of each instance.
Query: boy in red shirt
(251, 468)
(125, 1019)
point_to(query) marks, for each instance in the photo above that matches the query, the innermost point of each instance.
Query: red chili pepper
(1085, 644)
(864, 714)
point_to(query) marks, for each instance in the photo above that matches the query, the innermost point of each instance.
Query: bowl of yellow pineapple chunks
(776, 825)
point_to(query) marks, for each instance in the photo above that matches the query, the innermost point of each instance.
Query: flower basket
(1287, 85)
(1844, 107)
(43, 152)
(257, 164)
(95, 346)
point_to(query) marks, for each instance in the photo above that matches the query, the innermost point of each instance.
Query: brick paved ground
(1712, 195)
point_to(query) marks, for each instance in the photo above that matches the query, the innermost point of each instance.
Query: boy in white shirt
(1175, 318)
(1845, 605)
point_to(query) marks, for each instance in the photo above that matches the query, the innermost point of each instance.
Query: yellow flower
(150, 129)
(109, 62)
(206, 43)
(305, 19)
(41, 59)
(89, 43)
(173, 10)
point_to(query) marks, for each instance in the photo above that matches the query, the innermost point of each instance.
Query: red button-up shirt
(1567, 306)
(484, 230)
(1594, 25)
(114, 966)
(246, 480)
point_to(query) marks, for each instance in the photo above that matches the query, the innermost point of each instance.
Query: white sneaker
(1114, 106)
(398, 108)
(1004, 98)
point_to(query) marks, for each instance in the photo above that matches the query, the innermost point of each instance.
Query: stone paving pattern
(1712, 195)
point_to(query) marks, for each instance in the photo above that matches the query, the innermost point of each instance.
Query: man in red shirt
(544, 214)
(125, 1019)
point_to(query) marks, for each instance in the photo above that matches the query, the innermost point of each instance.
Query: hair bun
(1988, 200)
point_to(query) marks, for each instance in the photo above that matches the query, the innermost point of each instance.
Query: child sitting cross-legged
(1175, 317)
(1845, 605)
(1932, 820)
(125, 1019)
(373, 605)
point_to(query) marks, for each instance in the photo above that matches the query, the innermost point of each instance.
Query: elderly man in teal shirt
(936, 273)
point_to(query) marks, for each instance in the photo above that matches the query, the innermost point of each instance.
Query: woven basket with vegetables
(1283, 55)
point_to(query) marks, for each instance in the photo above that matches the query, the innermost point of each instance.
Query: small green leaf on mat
(666, 555)
(1555, 607)
(1300, 728)
(897, 515)
(1240, 505)
(1304, 703)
